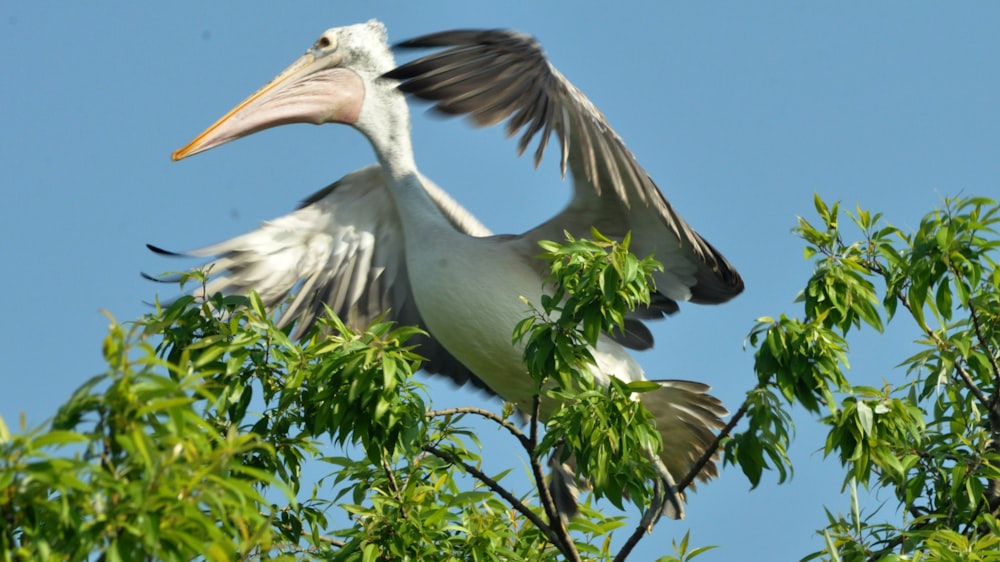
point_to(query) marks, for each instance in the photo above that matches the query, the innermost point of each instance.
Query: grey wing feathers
(688, 419)
(326, 253)
(342, 248)
(497, 75)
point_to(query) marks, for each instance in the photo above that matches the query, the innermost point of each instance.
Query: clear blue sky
(739, 111)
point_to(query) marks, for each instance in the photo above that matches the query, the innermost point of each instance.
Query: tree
(932, 440)
(163, 456)
(194, 441)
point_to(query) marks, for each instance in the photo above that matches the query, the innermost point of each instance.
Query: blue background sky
(739, 112)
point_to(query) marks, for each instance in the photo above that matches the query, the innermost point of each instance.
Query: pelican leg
(564, 486)
(666, 498)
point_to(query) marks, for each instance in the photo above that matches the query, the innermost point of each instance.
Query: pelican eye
(326, 42)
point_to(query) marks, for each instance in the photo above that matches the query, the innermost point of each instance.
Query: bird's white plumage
(385, 238)
(343, 248)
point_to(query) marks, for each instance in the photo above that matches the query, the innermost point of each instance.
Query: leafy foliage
(608, 433)
(198, 439)
(932, 440)
(195, 441)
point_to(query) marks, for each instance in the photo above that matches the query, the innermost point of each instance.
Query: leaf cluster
(600, 428)
(196, 441)
(932, 440)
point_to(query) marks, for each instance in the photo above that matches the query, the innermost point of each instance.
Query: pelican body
(386, 238)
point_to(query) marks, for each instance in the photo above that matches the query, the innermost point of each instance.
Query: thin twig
(977, 325)
(993, 489)
(714, 447)
(969, 383)
(564, 541)
(975, 390)
(394, 485)
(640, 531)
(897, 541)
(328, 540)
(501, 421)
(498, 489)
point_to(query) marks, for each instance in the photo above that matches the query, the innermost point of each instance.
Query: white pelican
(386, 238)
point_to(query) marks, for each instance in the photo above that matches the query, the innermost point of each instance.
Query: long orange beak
(314, 89)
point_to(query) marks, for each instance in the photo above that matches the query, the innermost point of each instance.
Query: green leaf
(58, 438)
(865, 418)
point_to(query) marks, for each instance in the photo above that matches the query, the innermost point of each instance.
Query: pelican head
(325, 85)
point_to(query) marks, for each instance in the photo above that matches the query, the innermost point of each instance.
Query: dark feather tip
(164, 279)
(162, 252)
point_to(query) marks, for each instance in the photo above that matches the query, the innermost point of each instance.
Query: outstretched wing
(498, 75)
(342, 248)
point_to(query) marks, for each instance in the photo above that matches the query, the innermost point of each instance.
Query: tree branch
(640, 531)
(979, 394)
(993, 415)
(501, 421)
(556, 530)
(564, 541)
(394, 485)
(328, 540)
(498, 489)
(978, 327)
(714, 447)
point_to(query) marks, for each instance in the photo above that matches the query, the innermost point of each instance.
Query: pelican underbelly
(470, 294)
(469, 291)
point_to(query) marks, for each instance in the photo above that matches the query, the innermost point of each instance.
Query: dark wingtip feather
(172, 279)
(162, 252)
